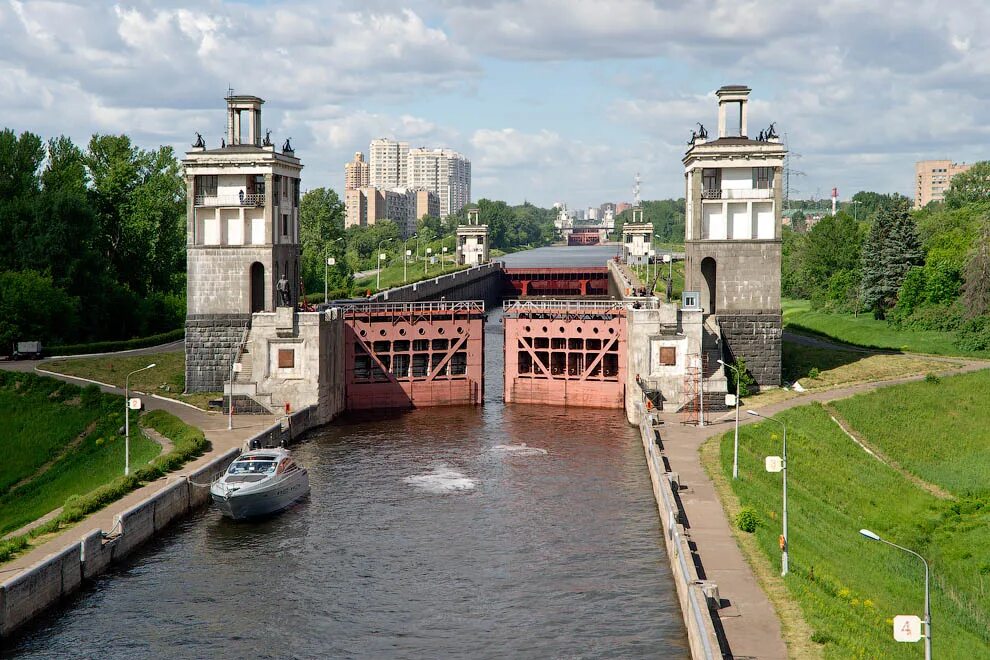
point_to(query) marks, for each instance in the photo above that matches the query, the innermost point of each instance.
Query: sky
(551, 100)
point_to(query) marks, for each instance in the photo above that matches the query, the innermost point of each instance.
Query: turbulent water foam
(443, 479)
(522, 449)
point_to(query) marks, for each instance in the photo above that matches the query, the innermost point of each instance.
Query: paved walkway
(213, 425)
(751, 624)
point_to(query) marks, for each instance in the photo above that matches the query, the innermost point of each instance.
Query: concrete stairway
(247, 399)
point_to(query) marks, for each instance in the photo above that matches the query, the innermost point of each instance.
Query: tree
(976, 276)
(868, 204)
(32, 308)
(969, 187)
(889, 252)
(321, 225)
(832, 245)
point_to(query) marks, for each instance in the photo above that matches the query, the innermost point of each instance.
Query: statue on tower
(288, 145)
(199, 143)
(268, 139)
(702, 131)
(284, 295)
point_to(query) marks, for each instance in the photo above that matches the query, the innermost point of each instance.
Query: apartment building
(932, 178)
(445, 172)
(357, 173)
(403, 206)
(388, 161)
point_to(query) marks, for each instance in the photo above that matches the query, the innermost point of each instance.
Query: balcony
(249, 199)
(732, 193)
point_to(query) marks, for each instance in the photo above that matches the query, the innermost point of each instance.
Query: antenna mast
(636, 198)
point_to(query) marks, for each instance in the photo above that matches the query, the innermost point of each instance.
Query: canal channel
(496, 531)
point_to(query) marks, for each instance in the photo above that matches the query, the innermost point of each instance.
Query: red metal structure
(586, 281)
(565, 352)
(402, 355)
(584, 236)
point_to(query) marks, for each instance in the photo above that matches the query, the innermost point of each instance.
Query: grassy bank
(864, 330)
(168, 378)
(60, 440)
(848, 588)
(392, 275)
(85, 475)
(677, 276)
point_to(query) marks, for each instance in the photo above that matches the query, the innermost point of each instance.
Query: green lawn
(849, 588)
(392, 275)
(939, 431)
(42, 419)
(864, 330)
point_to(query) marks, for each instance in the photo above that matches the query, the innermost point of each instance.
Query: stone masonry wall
(210, 341)
(756, 338)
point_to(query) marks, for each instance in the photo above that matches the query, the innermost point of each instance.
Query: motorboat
(260, 482)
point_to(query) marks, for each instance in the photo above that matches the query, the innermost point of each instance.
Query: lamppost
(379, 256)
(735, 445)
(426, 260)
(405, 258)
(127, 418)
(784, 546)
(669, 258)
(928, 614)
(443, 256)
(326, 267)
(230, 389)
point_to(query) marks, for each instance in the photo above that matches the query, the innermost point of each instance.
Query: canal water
(491, 532)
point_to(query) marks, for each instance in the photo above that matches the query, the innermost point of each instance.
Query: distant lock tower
(242, 239)
(733, 235)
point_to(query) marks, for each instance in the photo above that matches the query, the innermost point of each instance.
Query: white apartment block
(388, 162)
(445, 172)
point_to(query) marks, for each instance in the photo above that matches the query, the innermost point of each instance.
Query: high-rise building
(388, 163)
(445, 172)
(932, 178)
(622, 206)
(357, 173)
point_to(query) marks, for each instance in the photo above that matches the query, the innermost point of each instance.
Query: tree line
(927, 269)
(93, 239)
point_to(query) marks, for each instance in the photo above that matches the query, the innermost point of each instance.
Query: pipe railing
(248, 199)
(674, 533)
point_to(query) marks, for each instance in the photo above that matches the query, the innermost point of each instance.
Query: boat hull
(254, 502)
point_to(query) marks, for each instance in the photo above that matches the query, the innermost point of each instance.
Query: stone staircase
(247, 399)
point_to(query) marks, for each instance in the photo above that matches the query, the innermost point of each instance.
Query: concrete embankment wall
(698, 598)
(33, 590)
(483, 282)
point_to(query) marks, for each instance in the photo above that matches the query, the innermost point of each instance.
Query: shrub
(974, 334)
(112, 346)
(746, 380)
(747, 520)
(932, 378)
(814, 372)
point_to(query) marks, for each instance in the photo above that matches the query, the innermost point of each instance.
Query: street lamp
(426, 260)
(735, 445)
(443, 256)
(785, 546)
(928, 614)
(405, 258)
(127, 418)
(378, 257)
(326, 267)
(669, 259)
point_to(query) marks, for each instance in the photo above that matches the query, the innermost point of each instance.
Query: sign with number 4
(907, 628)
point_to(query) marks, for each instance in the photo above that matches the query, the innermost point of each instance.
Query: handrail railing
(578, 306)
(646, 430)
(248, 199)
(733, 193)
(470, 306)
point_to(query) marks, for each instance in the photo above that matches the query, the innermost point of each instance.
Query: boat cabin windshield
(252, 467)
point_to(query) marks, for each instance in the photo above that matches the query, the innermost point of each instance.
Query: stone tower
(242, 237)
(732, 235)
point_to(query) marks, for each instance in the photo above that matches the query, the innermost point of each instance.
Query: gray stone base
(756, 339)
(210, 342)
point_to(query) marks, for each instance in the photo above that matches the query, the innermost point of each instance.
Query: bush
(974, 334)
(746, 380)
(747, 520)
(813, 372)
(932, 378)
(112, 346)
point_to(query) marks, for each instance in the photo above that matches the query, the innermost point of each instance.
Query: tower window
(762, 178)
(285, 224)
(711, 178)
(206, 185)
